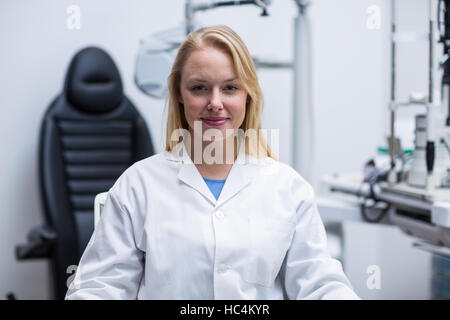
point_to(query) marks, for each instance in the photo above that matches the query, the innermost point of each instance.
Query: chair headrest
(93, 82)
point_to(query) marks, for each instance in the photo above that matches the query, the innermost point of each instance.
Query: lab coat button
(222, 268)
(220, 214)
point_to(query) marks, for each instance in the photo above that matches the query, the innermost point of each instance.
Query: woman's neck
(214, 165)
(214, 171)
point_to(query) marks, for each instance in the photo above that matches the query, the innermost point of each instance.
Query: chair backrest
(90, 134)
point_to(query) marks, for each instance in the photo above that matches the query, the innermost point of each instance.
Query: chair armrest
(40, 243)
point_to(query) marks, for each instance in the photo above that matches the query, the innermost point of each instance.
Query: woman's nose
(215, 102)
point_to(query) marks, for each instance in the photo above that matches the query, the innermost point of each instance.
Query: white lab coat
(163, 235)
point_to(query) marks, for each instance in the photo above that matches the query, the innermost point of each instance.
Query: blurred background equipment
(157, 52)
(413, 190)
(90, 134)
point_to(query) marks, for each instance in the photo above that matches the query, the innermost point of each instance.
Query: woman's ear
(180, 99)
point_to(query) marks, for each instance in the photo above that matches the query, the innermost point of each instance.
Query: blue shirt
(215, 186)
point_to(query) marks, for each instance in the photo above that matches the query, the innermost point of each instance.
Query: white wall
(350, 89)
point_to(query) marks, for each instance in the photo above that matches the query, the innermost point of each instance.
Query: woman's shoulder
(163, 158)
(278, 167)
(141, 171)
(284, 174)
(155, 159)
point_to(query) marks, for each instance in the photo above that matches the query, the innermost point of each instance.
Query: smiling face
(211, 91)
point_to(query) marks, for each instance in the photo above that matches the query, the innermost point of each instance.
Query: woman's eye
(203, 88)
(198, 88)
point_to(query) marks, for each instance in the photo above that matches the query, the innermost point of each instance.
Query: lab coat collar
(241, 174)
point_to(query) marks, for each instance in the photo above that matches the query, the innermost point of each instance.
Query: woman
(214, 216)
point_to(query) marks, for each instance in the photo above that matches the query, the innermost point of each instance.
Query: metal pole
(431, 58)
(188, 14)
(393, 178)
(301, 132)
(431, 112)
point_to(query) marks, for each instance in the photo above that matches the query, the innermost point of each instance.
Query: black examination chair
(90, 134)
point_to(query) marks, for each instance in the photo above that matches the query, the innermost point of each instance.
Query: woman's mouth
(215, 122)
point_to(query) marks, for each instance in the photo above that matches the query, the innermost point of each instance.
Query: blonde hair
(224, 38)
